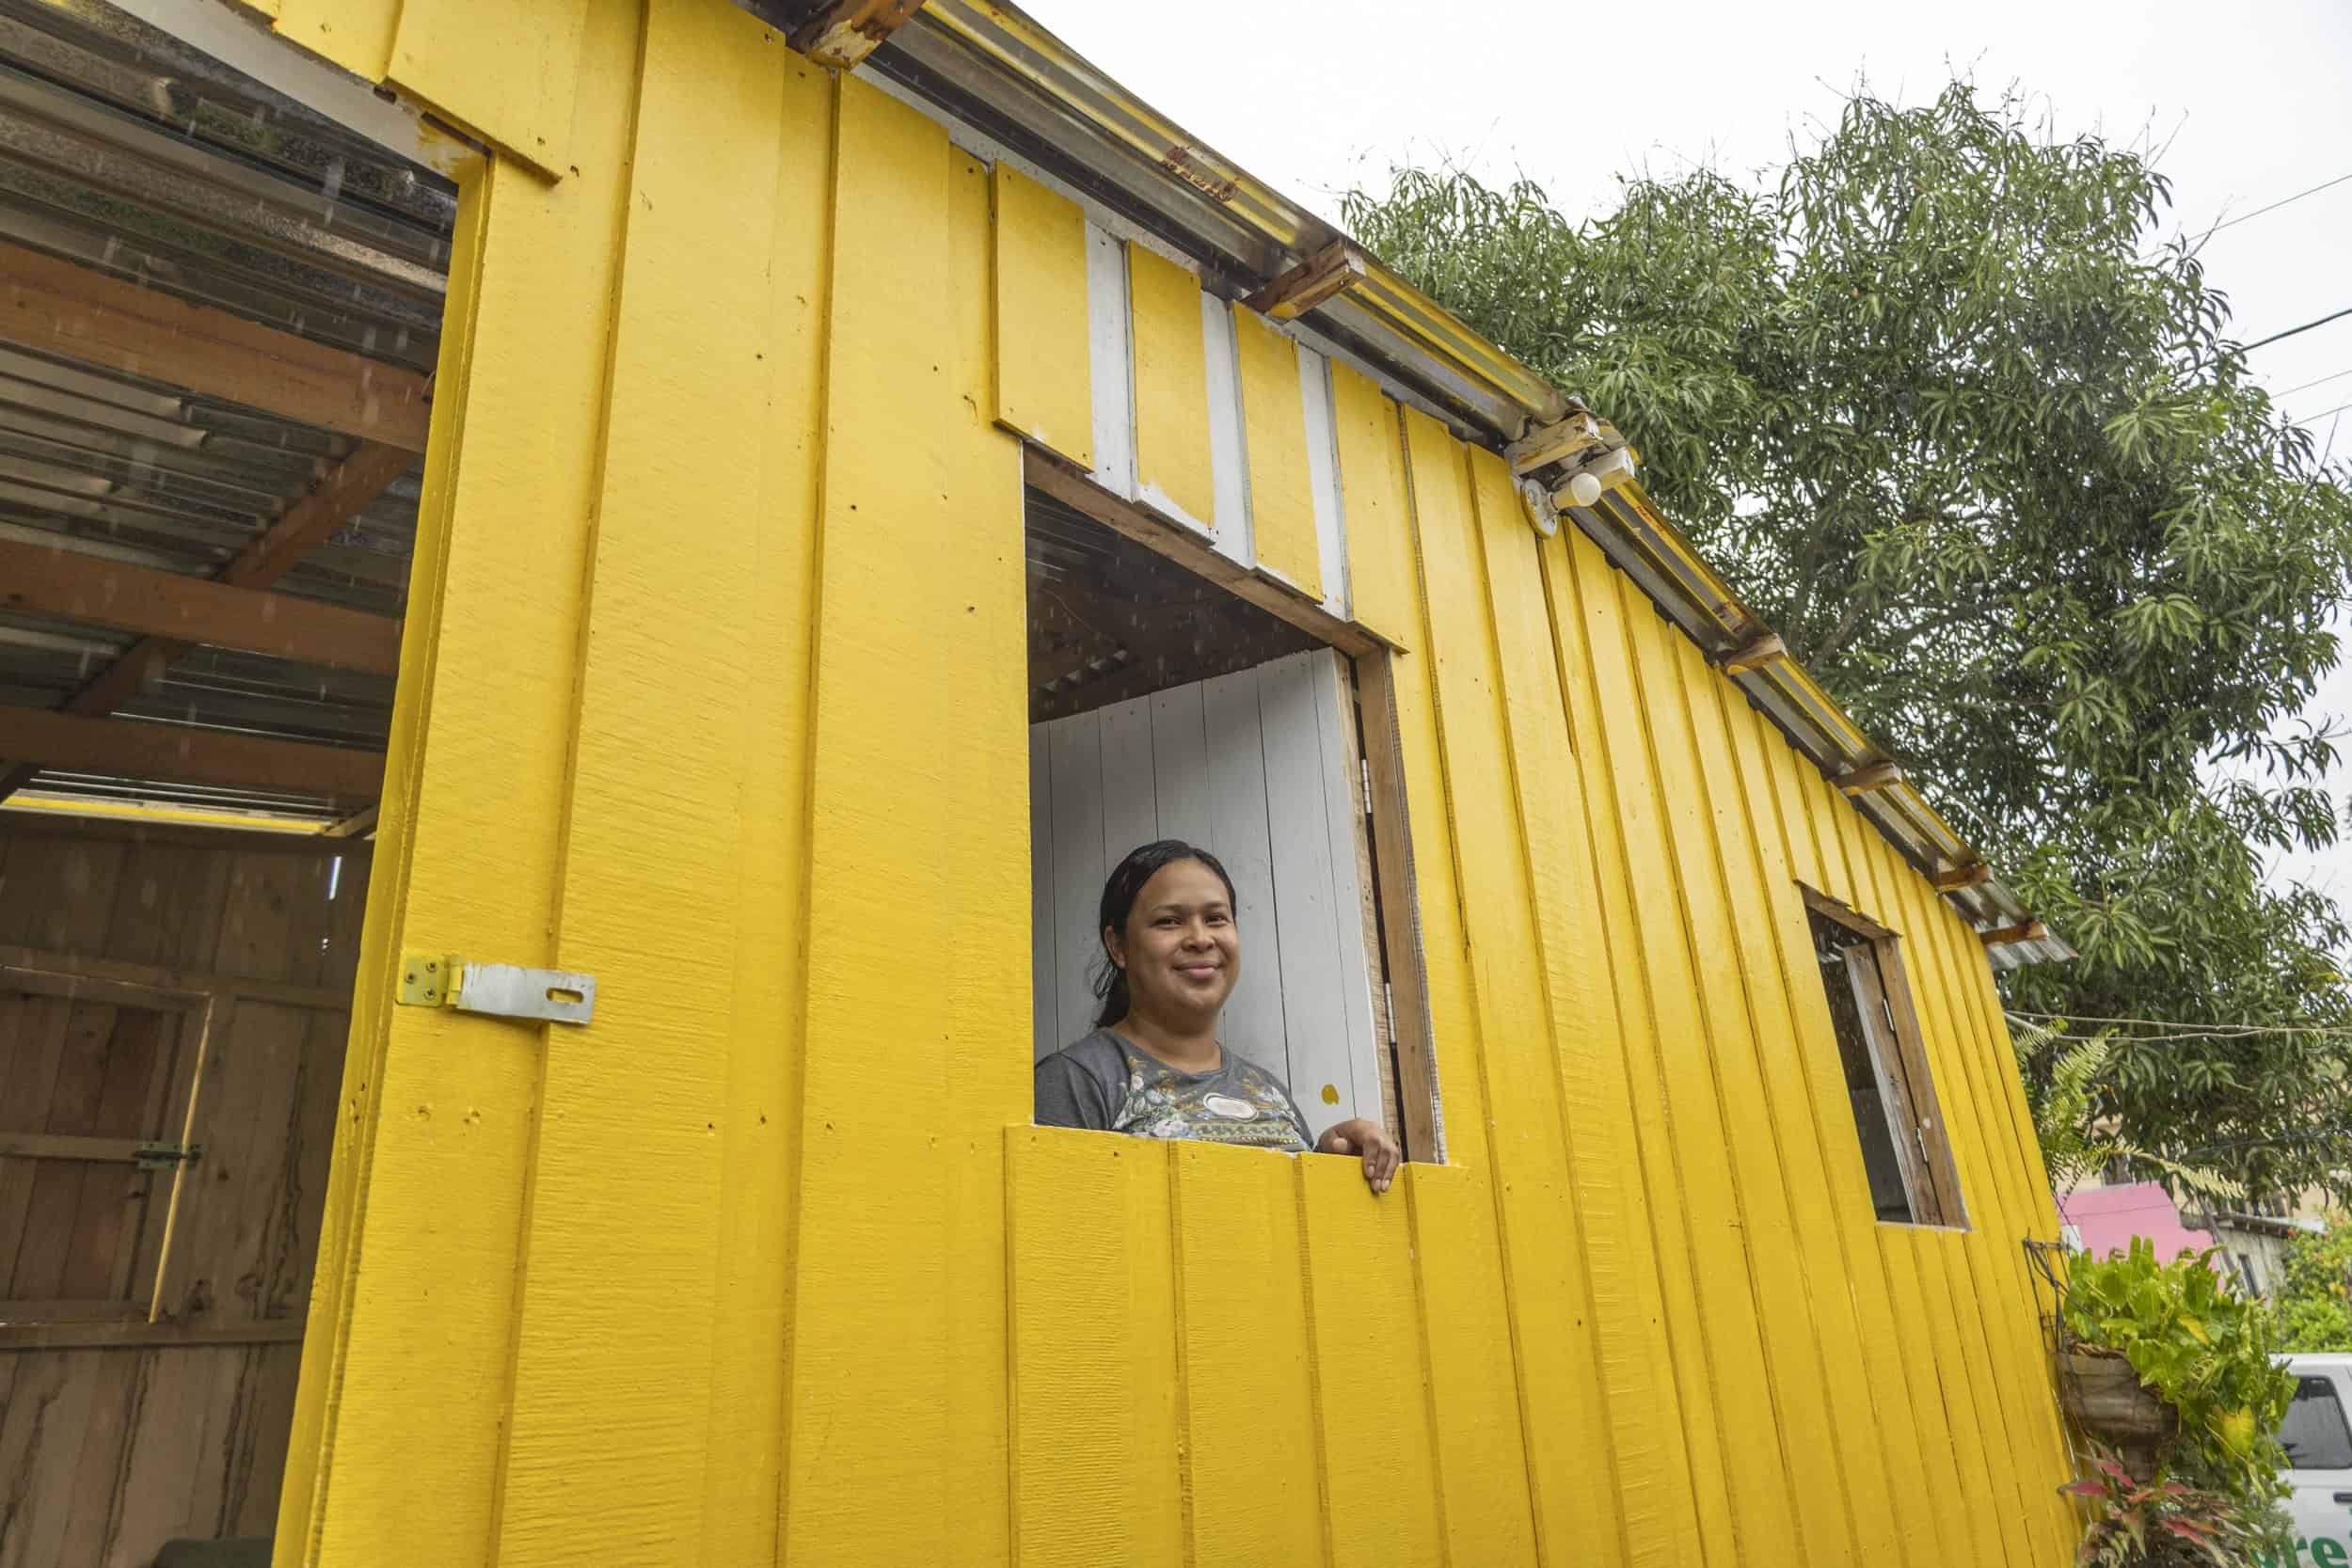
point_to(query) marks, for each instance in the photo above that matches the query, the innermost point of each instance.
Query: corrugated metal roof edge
(996, 67)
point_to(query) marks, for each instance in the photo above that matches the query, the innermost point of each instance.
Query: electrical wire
(2283, 201)
(2275, 336)
(2322, 414)
(2186, 1027)
(2308, 384)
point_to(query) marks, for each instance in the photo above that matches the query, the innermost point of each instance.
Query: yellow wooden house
(871, 469)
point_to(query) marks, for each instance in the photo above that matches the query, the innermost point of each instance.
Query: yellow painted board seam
(1474, 1044)
(1720, 779)
(1809, 1118)
(1410, 1183)
(1611, 826)
(1181, 1355)
(1653, 666)
(1514, 768)
(1315, 1392)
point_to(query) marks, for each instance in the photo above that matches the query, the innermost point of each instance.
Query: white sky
(2254, 100)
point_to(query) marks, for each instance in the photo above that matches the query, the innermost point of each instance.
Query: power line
(2308, 384)
(2322, 414)
(2249, 348)
(2284, 202)
(2187, 1025)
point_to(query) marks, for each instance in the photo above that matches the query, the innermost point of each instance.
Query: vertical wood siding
(715, 688)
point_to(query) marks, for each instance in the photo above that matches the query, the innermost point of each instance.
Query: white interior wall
(1253, 767)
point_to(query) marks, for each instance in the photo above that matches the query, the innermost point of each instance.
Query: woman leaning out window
(1155, 1066)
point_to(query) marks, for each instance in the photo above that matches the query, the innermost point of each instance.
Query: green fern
(2067, 1116)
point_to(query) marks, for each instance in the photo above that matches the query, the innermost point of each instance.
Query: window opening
(1164, 706)
(1905, 1154)
(2313, 1433)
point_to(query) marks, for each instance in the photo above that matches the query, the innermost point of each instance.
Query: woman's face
(1180, 950)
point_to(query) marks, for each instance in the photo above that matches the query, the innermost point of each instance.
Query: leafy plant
(2314, 1297)
(1979, 442)
(2162, 1524)
(2068, 1092)
(2204, 1349)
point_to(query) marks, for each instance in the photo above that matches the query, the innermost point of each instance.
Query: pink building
(2107, 1218)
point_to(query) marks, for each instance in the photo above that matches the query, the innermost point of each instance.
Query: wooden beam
(1864, 780)
(1553, 443)
(92, 316)
(1192, 553)
(100, 1335)
(66, 1145)
(841, 33)
(2032, 930)
(187, 984)
(1963, 877)
(28, 820)
(21, 981)
(1336, 268)
(339, 495)
(1754, 654)
(66, 585)
(143, 749)
(359, 822)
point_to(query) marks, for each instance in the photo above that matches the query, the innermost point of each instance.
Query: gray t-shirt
(1107, 1083)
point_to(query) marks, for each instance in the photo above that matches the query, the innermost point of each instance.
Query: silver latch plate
(510, 990)
(502, 991)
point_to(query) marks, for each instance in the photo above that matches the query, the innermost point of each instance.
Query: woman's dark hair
(1119, 899)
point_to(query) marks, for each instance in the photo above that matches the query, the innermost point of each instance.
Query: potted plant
(2196, 1346)
(2162, 1524)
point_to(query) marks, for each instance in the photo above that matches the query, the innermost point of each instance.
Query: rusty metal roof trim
(1638, 540)
(997, 69)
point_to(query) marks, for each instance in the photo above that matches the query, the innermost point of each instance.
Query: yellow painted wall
(714, 686)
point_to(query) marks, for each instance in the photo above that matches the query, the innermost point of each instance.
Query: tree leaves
(1986, 456)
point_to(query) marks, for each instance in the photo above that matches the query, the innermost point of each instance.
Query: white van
(2319, 1461)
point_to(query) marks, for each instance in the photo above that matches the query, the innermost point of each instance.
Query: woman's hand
(1369, 1139)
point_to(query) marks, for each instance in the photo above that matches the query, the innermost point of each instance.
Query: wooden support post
(1962, 878)
(59, 307)
(143, 749)
(1336, 268)
(1754, 654)
(841, 33)
(1864, 780)
(2032, 930)
(66, 585)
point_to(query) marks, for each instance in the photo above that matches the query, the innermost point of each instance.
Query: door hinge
(1387, 1008)
(162, 1156)
(502, 991)
(1367, 795)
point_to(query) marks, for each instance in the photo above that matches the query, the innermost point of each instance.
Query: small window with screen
(2313, 1433)
(1904, 1151)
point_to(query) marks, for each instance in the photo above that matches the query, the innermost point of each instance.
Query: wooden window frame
(1898, 1062)
(1403, 1002)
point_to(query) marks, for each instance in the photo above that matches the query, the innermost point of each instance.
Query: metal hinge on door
(162, 1156)
(502, 991)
